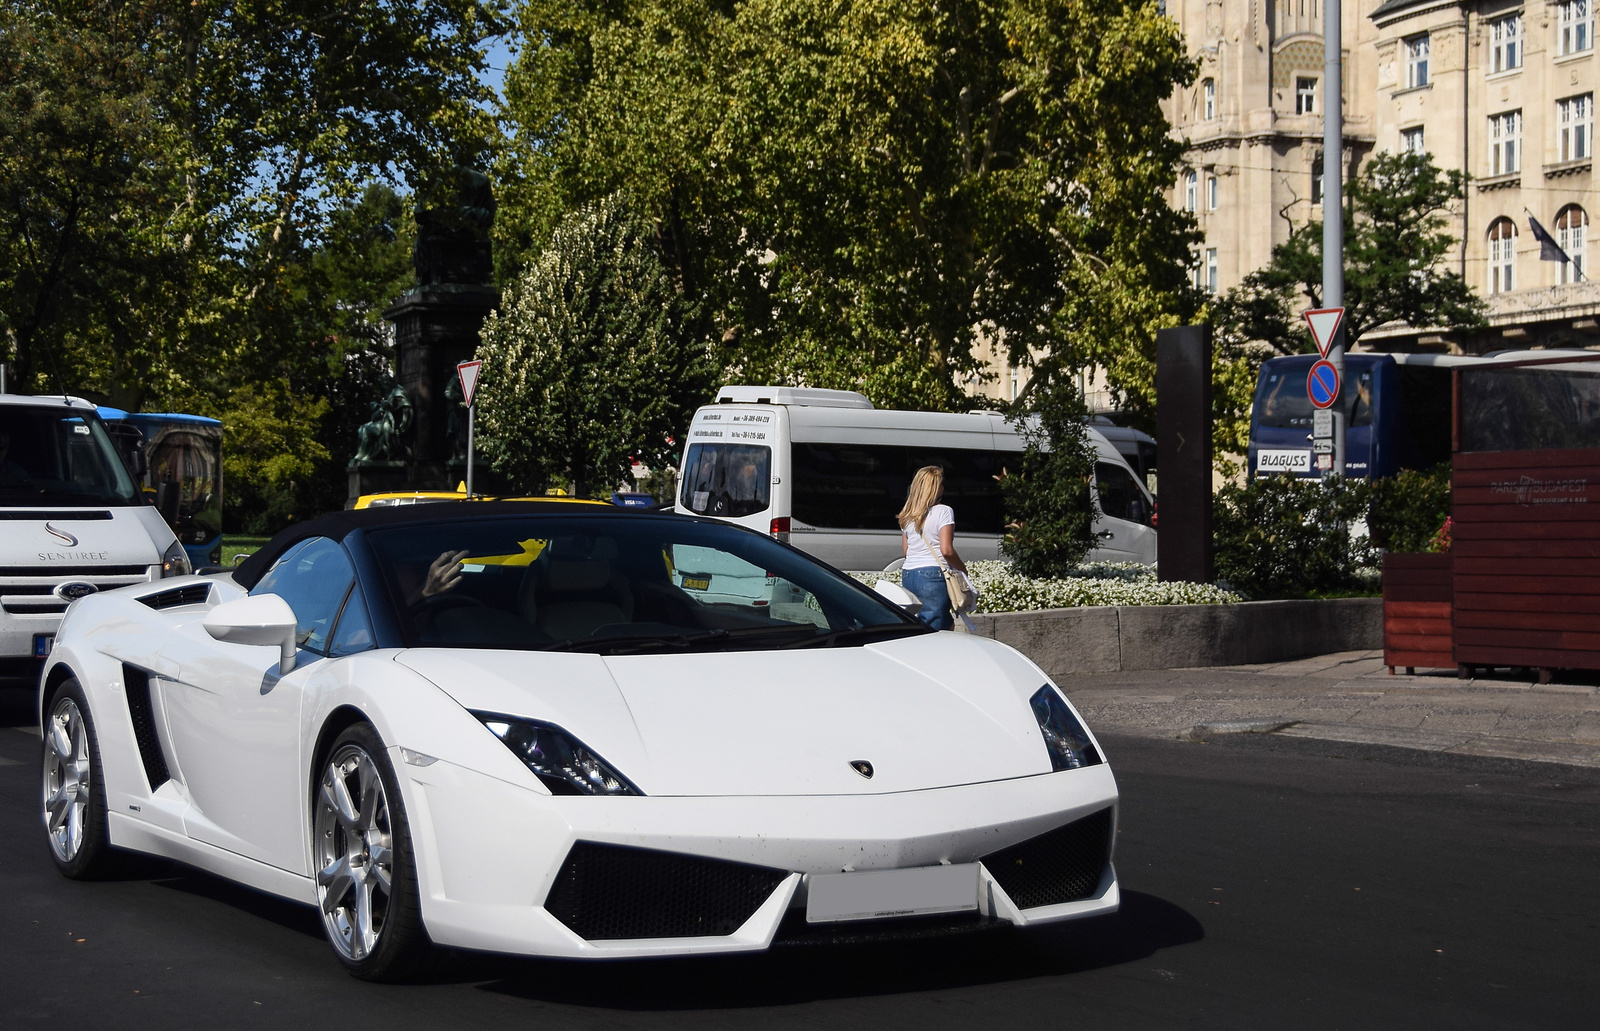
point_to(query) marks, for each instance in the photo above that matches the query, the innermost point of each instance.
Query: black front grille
(606, 892)
(194, 594)
(1063, 865)
(136, 682)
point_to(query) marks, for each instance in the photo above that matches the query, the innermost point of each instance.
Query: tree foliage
(592, 360)
(1048, 503)
(180, 187)
(860, 191)
(1397, 239)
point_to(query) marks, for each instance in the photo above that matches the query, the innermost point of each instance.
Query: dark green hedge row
(1282, 537)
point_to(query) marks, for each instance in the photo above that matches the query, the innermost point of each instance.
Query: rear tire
(366, 871)
(73, 789)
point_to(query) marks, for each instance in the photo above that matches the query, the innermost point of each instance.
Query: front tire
(366, 871)
(73, 787)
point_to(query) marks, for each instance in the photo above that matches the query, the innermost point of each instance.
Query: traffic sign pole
(1325, 387)
(1333, 199)
(467, 372)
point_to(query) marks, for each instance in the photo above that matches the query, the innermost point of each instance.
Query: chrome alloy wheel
(67, 779)
(354, 852)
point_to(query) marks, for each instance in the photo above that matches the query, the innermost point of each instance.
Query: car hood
(930, 711)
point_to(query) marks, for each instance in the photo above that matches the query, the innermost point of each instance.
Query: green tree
(592, 360)
(861, 191)
(1048, 504)
(1397, 239)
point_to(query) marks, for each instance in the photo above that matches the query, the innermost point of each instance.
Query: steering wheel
(424, 612)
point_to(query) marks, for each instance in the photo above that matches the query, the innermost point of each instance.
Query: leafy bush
(1279, 536)
(1047, 497)
(1003, 588)
(1407, 510)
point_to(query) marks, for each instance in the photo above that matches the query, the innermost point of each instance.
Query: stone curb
(1116, 638)
(1486, 745)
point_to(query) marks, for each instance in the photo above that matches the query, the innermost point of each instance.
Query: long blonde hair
(926, 488)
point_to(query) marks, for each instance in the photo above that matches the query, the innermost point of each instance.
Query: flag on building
(1549, 250)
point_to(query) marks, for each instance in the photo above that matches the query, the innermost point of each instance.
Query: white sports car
(510, 727)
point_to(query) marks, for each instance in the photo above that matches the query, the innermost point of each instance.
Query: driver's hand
(445, 573)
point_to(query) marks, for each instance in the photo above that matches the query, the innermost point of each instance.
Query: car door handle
(1105, 535)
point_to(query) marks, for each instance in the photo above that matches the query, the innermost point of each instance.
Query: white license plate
(880, 894)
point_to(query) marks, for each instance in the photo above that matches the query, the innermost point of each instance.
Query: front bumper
(490, 852)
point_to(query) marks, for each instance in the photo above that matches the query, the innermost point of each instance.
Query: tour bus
(75, 522)
(1398, 404)
(179, 459)
(827, 472)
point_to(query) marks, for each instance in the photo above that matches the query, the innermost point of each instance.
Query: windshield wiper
(624, 645)
(827, 639)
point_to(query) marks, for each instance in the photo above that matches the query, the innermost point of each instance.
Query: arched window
(1572, 230)
(1191, 191)
(1502, 255)
(1208, 101)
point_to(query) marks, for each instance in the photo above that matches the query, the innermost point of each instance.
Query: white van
(72, 522)
(827, 472)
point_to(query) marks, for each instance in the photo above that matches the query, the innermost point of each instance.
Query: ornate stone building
(1501, 89)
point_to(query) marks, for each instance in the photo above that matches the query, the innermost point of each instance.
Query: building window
(1575, 117)
(1316, 180)
(1211, 270)
(1191, 191)
(1417, 61)
(1577, 27)
(1211, 193)
(1305, 96)
(1572, 227)
(1505, 143)
(1412, 141)
(1505, 43)
(1208, 92)
(1502, 256)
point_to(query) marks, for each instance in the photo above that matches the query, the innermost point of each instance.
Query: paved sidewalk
(1350, 696)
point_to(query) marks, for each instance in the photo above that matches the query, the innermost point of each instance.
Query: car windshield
(59, 456)
(617, 585)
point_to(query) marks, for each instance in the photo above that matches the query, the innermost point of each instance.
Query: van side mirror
(898, 596)
(263, 619)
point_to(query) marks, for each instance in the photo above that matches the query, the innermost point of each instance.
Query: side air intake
(137, 683)
(1063, 865)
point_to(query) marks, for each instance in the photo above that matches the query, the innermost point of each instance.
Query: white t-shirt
(917, 553)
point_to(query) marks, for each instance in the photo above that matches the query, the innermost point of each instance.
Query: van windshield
(59, 456)
(727, 479)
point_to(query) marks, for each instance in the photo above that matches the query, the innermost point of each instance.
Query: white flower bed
(1002, 589)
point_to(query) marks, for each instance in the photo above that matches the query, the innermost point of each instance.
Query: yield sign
(1324, 323)
(468, 371)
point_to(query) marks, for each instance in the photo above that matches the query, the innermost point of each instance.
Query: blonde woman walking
(925, 524)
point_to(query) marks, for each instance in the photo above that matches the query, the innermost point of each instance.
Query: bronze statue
(385, 436)
(453, 222)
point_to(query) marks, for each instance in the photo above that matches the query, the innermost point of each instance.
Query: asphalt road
(1268, 883)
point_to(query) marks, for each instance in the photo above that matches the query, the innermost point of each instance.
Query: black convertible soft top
(336, 525)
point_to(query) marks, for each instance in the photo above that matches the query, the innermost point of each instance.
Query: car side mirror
(262, 619)
(898, 596)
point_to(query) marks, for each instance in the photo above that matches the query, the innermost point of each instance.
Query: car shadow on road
(1145, 925)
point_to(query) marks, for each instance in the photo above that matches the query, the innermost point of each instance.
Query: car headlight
(1064, 735)
(175, 561)
(563, 763)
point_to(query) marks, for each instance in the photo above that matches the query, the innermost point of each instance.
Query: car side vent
(194, 594)
(41, 514)
(1063, 865)
(137, 683)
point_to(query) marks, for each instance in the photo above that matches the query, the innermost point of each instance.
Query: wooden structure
(1526, 554)
(1417, 596)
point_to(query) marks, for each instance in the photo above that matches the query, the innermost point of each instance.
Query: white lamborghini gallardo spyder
(542, 729)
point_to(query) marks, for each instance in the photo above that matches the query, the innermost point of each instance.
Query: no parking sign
(1322, 385)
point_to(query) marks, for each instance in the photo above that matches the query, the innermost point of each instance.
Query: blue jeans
(927, 583)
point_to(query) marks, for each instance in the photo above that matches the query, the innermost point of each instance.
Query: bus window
(184, 469)
(727, 479)
(862, 486)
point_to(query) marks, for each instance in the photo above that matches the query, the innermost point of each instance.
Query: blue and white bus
(178, 459)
